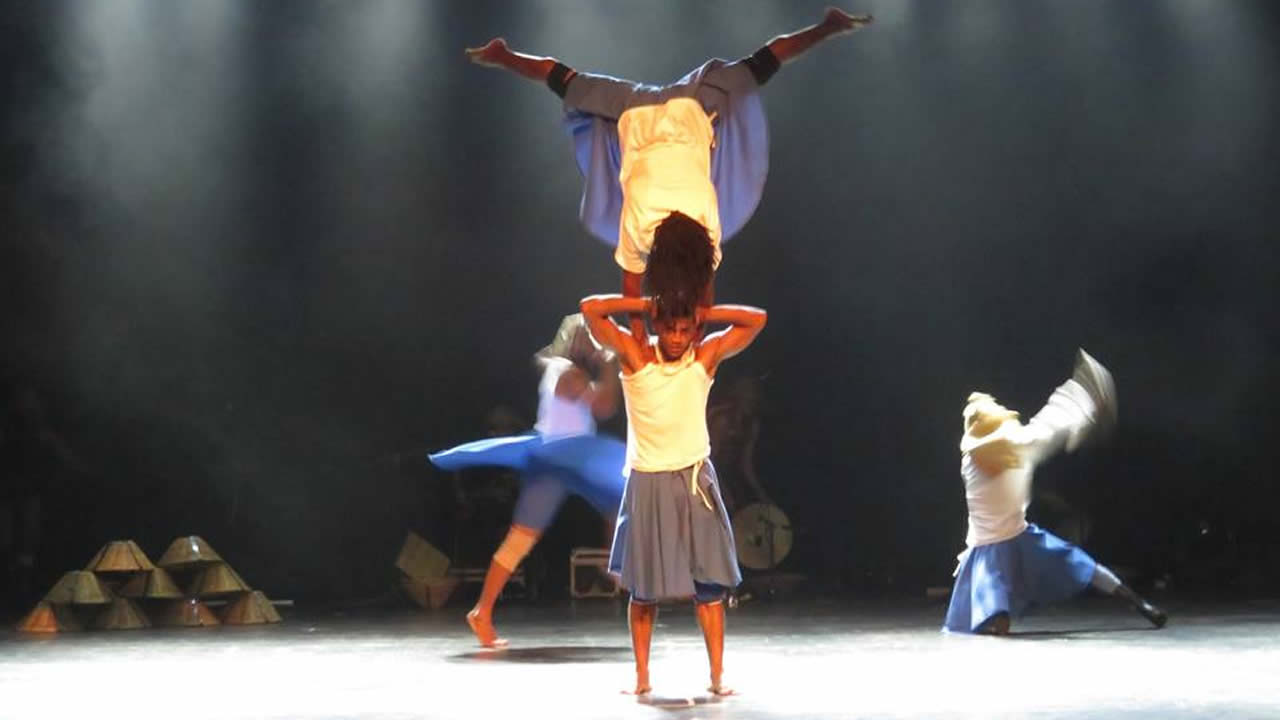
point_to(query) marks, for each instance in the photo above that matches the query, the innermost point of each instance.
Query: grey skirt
(667, 538)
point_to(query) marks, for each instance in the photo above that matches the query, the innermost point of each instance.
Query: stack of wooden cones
(65, 606)
(207, 576)
(119, 563)
(120, 581)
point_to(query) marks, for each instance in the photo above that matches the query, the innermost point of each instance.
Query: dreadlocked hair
(681, 263)
(674, 306)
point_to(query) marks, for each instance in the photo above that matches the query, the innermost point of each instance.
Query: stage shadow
(1069, 634)
(677, 704)
(550, 655)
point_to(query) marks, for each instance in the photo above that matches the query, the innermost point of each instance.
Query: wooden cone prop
(251, 608)
(47, 618)
(188, 612)
(78, 587)
(153, 584)
(122, 614)
(188, 551)
(217, 579)
(120, 556)
(420, 559)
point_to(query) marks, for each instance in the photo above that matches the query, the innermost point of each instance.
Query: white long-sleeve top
(560, 417)
(998, 502)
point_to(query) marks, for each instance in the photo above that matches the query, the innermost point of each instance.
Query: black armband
(763, 64)
(558, 78)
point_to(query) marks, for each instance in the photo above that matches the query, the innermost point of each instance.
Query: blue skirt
(589, 466)
(666, 538)
(1014, 576)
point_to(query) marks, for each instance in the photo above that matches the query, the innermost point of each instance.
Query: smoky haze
(257, 251)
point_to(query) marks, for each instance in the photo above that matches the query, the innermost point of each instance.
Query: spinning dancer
(1010, 565)
(688, 159)
(673, 538)
(579, 384)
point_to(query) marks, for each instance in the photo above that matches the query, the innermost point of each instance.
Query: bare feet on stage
(721, 690)
(482, 626)
(642, 688)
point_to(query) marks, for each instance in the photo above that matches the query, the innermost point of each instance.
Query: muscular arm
(745, 323)
(633, 287)
(598, 311)
(496, 54)
(835, 22)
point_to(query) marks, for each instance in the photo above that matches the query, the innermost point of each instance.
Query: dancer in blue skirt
(688, 159)
(564, 456)
(1010, 565)
(673, 538)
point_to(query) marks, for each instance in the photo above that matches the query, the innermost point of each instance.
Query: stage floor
(1090, 659)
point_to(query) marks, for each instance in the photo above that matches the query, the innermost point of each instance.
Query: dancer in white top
(673, 538)
(564, 457)
(1010, 565)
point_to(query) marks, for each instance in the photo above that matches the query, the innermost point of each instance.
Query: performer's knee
(637, 600)
(515, 547)
(705, 593)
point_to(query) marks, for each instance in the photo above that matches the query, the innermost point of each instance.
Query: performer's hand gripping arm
(598, 311)
(745, 323)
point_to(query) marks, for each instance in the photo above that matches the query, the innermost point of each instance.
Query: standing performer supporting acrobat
(688, 159)
(564, 456)
(1010, 565)
(673, 538)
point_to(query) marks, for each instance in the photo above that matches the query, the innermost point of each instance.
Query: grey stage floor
(1090, 659)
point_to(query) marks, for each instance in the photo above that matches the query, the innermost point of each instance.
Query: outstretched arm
(633, 287)
(495, 53)
(834, 22)
(598, 311)
(745, 323)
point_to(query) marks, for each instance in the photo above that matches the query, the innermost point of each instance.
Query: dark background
(255, 254)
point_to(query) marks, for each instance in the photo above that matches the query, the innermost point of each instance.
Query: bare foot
(843, 22)
(719, 689)
(642, 686)
(482, 626)
(491, 54)
(640, 691)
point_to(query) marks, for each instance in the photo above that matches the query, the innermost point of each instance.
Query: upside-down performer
(1010, 565)
(563, 456)
(688, 158)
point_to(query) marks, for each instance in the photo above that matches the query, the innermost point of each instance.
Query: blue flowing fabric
(589, 466)
(1015, 576)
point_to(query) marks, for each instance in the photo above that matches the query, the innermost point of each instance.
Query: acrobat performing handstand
(1010, 565)
(687, 159)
